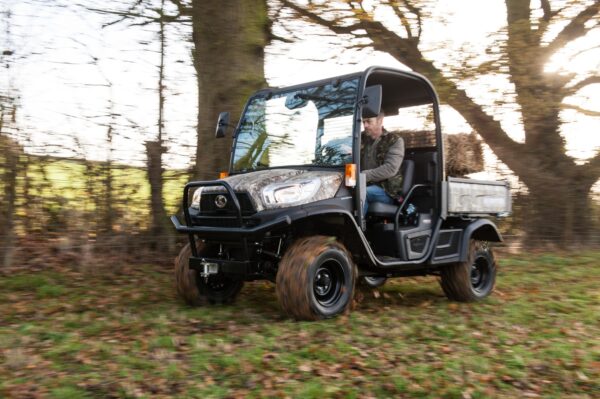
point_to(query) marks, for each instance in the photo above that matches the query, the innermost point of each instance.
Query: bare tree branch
(124, 14)
(591, 168)
(417, 11)
(396, 7)
(129, 14)
(547, 10)
(546, 19)
(183, 9)
(581, 110)
(578, 53)
(359, 46)
(312, 17)
(273, 36)
(583, 83)
(574, 29)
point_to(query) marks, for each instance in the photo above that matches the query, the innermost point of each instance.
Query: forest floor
(121, 332)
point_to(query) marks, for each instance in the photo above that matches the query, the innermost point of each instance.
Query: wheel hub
(327, 282)
(480, 274)
(475, 275)
(323, 282)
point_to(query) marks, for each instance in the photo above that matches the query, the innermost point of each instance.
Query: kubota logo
(221, 201)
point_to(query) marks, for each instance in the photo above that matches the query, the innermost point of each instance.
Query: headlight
(196, 198)
(290, 193)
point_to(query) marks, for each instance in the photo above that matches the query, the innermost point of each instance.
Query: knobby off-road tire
(473, 279)
(316, 279)
(197, 291)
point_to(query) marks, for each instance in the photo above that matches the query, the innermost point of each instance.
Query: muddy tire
(316, 279)
(373, 281)
(473, 279)
(195, 290)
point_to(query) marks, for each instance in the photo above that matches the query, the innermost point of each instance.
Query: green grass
(74, 335)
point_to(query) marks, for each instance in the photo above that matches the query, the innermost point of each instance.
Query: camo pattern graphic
(254, 182)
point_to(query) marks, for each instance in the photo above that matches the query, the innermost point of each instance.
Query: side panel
(478, 197)
(448, 246)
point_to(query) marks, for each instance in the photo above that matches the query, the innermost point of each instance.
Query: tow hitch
(208, 268)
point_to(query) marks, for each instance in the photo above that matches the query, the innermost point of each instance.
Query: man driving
(381, 154)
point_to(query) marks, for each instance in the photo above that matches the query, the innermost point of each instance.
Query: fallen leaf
(305, 367)
(582, 376)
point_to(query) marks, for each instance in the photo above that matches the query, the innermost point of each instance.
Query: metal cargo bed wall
(478, 197)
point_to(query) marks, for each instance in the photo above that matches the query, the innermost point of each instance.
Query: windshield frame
(270, 92)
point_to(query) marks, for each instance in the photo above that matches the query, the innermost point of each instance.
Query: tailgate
(478, 197)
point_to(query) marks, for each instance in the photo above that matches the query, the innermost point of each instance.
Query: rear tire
(316, 279)
(473, 279)
(198, 291)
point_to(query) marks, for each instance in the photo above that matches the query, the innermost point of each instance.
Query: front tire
(473, 279)
(197, 291)
(316, 279)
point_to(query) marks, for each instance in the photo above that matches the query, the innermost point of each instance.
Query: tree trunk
(229, 39)
(161, 239)
(10, 152)
(107, 216)
(28, 198)
(557, 214)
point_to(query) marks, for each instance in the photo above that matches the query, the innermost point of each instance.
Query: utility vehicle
(289, 209)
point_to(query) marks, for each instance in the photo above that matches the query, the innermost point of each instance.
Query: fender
(480, 229)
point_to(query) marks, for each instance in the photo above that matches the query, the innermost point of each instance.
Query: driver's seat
(380, 209)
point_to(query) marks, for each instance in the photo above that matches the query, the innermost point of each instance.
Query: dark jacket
(381, 159)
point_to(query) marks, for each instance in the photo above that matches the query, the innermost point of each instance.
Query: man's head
(374, 126)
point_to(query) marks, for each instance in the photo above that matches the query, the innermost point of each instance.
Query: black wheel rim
(480, 275)
(327, 283)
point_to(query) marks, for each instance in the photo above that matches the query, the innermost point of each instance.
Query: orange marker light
(350, 175)
(223, 175)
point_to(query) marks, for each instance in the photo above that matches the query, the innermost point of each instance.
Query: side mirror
(371, 101)
(222, 124)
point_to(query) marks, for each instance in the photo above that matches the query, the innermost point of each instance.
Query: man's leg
(376, 194)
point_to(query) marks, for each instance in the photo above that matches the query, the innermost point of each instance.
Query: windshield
(308, 126)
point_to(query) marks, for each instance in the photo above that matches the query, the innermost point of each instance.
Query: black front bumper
(230, 233)
(237, 230)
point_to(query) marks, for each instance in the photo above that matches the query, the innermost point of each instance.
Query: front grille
(209, 208)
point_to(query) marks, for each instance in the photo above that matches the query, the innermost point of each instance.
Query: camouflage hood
(326, 184)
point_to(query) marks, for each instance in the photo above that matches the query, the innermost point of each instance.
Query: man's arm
(391, 164)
